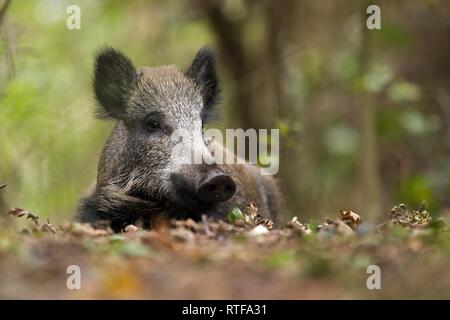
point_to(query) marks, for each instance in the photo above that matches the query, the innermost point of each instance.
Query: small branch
(2, 186)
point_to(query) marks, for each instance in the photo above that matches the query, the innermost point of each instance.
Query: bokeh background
(364, 116)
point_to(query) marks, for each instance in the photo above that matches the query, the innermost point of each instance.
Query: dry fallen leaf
(350, 218)
(17, 212)
(251, 213)
(47, 227)
(33, 218)
(343, 228)
(410, 218)
(334, 226)
(192, 225)
(182, 234)
(297, 225)
(253, 217)
(130, 228)
(267, 223)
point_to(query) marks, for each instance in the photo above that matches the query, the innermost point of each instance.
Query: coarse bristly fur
(137, 178)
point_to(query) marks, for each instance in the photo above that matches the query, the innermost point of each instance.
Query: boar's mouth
(191, 209)
(186, 205)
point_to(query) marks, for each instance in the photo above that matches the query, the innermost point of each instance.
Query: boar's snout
(200, 187)
(216, 188)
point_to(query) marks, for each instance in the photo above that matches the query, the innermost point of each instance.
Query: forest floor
(244, 258)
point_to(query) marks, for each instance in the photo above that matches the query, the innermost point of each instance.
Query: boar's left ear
(114, 77)
(203, 72)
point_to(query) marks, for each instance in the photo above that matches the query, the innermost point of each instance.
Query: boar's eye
(154, 122)
(153, 125)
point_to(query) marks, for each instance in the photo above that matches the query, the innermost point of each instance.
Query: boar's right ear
(204, 74)
(114, 77)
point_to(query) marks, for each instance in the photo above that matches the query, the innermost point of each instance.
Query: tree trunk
(369, 174)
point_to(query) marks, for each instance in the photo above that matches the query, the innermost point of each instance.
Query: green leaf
(377, 78)
(234, 215)
(404, 91)
(414, 122)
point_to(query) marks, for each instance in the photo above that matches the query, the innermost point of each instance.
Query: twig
(3, 186)
(205, 223)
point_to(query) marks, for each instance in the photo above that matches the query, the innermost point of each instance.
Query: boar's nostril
(230, 188)
(216, 189)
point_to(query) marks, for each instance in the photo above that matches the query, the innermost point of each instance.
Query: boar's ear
(114, 76)
(203, 72)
